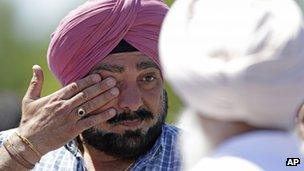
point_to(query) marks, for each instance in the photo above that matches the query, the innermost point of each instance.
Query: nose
(130, 98)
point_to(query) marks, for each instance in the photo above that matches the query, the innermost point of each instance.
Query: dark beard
(131, 144)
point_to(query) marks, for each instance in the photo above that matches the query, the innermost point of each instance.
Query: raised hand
(50, 122)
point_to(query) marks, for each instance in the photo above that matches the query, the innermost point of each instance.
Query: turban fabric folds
(90, 32)
(237, 60)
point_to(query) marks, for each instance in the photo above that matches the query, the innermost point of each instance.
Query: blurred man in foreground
(105, 55)
(239, 67)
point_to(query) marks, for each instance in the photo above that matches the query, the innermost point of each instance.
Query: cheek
(153, 100)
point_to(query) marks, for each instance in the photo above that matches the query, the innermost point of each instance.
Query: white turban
(236, 60)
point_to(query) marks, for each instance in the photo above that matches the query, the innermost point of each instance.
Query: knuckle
(54, 99)
(97, 87)
(103, 84)
(34, 82)
(90, 80)
(48, 108)
(101, 100)
(62, 107)
(58, 104)
(87, 81)
(108, 95)
(57, 107)
(83, 96)
(74, 87)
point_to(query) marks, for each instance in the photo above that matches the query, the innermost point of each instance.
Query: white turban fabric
(236, 60)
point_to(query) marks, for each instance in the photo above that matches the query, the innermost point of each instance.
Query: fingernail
(36, 67)
(111, 82)
(34, 71)
(112, 112)
(114, 91)
(96, 78)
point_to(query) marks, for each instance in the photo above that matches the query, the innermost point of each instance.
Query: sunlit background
(25, 28)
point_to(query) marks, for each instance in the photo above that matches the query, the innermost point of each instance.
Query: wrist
(35, 142)
(8, 163)
(23, 149)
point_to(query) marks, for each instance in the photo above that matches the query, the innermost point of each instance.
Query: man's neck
(97, 160)
(219, 131)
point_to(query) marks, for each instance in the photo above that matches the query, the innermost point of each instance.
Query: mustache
(141, 114)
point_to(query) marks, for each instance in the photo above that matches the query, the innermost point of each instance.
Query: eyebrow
(120, 69)
(109, 67)
(145, 65)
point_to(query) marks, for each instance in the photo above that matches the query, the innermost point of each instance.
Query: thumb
(35, 87)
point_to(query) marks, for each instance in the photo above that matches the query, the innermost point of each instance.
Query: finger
(98, 101)
(92, 92)
(35, 87)
(96, 119)
(75, 87)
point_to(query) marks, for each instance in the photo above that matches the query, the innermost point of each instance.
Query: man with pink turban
(110, 113)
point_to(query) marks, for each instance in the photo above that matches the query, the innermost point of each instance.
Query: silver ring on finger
(81, 112)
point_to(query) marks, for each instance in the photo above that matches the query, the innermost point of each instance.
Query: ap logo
(292, 161)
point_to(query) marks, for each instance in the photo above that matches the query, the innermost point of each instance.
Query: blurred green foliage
(17, 56)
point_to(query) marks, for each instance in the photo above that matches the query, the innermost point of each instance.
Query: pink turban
(90, 32)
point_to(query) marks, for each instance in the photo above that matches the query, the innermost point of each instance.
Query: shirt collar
(72, 147)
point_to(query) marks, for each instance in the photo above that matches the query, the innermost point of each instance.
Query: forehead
(127, 59)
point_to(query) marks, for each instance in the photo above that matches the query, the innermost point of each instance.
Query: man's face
(141, 106)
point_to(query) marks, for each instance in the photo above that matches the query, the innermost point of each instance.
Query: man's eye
(149, 78)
